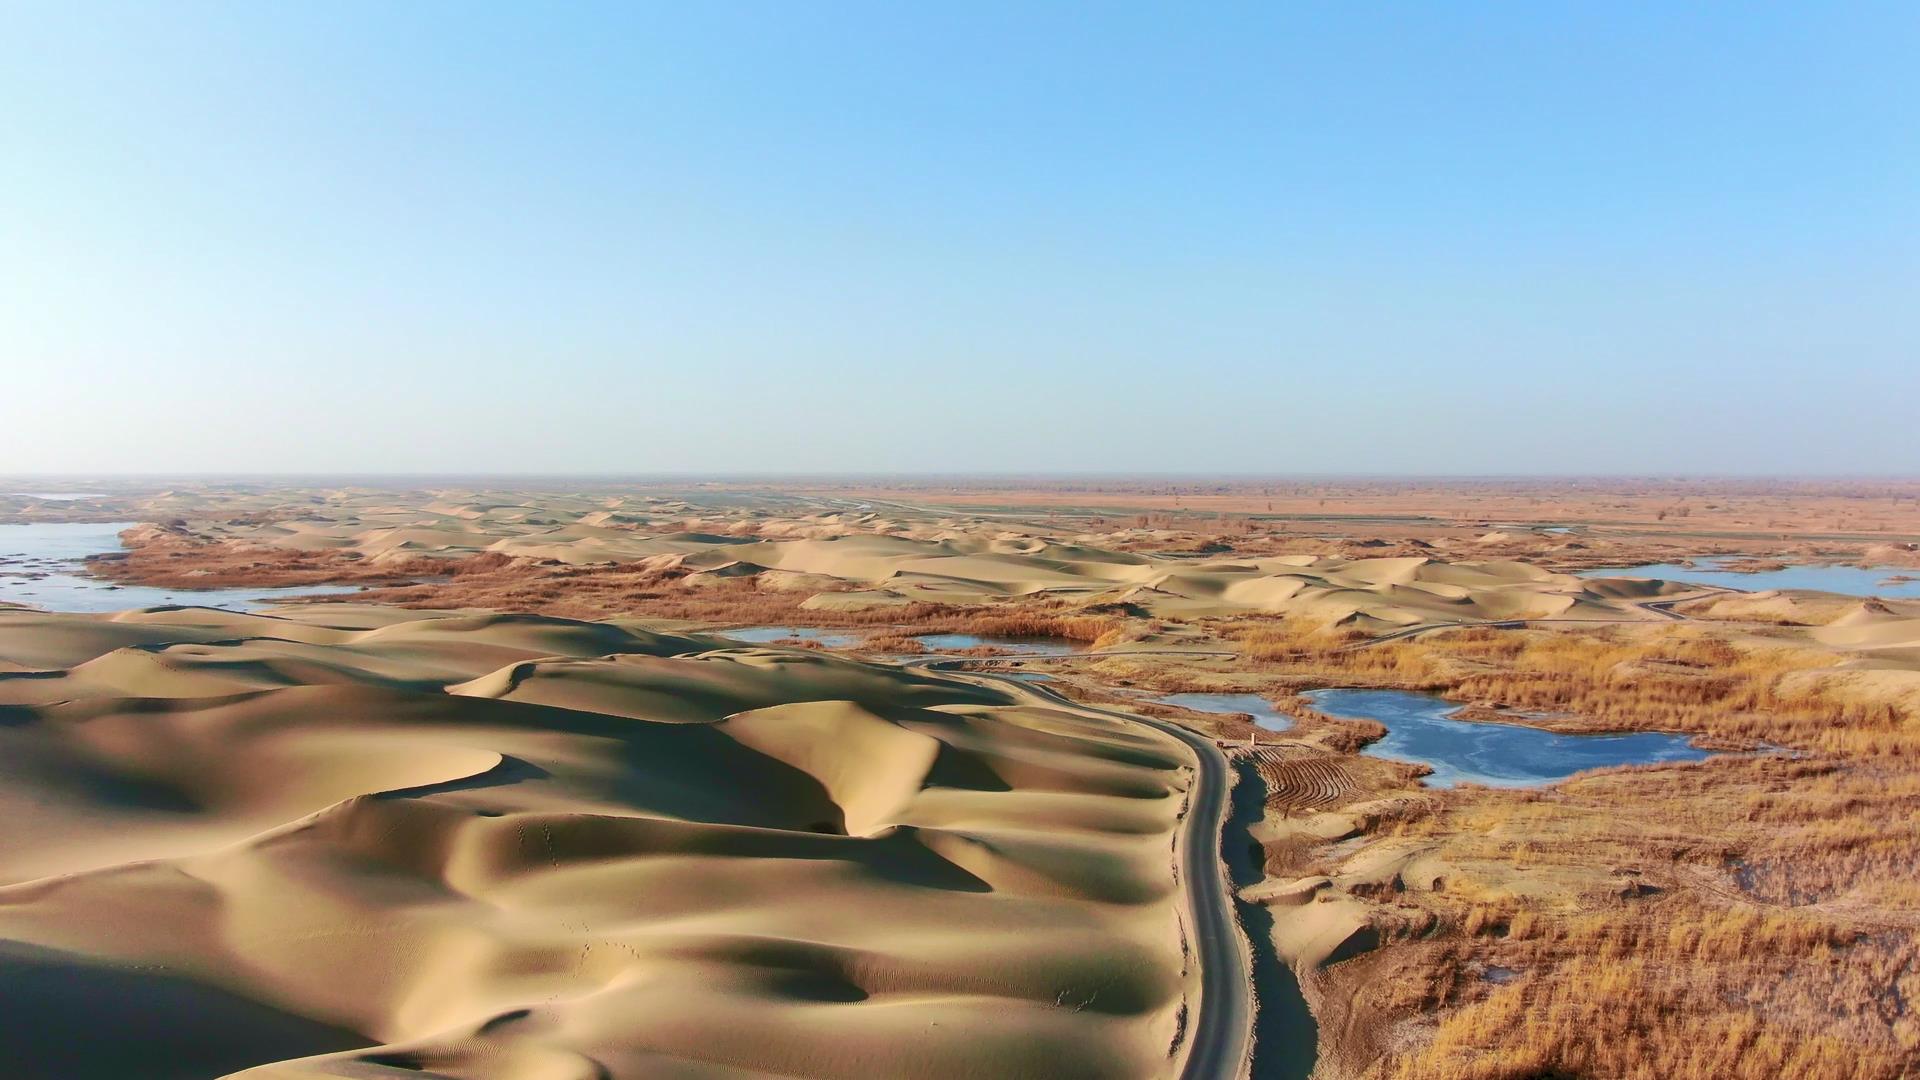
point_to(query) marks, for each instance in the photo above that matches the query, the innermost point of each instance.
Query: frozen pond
(1846, 580)
(1260, 708)
(1494, 754)
(40, 563)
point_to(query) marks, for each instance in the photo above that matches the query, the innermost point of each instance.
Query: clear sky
(1428, 238)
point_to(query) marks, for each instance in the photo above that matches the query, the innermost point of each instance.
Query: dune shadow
(63, 1017)
(17, 715)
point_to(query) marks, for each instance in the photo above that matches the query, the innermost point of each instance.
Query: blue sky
(1488, 238)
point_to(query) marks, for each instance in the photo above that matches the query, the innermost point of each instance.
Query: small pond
(1022, 646)
(1497, 755)
(1260, 708)
(1846, 580)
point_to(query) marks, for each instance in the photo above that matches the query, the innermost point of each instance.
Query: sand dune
(852, 561)
(339, 842)
(1874, 624)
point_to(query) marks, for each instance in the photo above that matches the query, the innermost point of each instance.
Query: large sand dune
(347, 842)
(864, 558)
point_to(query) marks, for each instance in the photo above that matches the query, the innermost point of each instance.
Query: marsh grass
(1656, 952)
(1672, 679)
(603, 590)
(1750, 916)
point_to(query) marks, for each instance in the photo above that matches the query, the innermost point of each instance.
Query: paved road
(1220, 1032)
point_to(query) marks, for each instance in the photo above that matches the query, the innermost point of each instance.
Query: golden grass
(1037, 624)
(1752, 916)
(1554, 1027)
(894, 642)
(171, 560)
(593, 591)
(1655, 952)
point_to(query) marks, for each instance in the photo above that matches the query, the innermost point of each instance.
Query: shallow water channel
(1419, 729)
(40, 566)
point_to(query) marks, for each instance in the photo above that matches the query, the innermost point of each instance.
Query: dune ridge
(521, 848)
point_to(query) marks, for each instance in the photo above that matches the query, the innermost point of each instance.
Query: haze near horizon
(621, 239)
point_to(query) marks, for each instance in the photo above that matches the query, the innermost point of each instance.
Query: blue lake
(1259, 708)
(1493, 754)
(40, 567)
(1846, 580)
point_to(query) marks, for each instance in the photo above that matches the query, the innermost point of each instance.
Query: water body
(55, 496)
(1494, 754)
(1846, 580)
(761, 635)
(1261, 709)
(1021, 646)
(40, 567)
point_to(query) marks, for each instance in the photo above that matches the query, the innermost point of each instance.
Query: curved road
(1219, 1033)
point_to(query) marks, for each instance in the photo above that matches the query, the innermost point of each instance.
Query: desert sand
(352, 842)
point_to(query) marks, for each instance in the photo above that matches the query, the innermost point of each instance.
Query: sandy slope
(353, 843)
